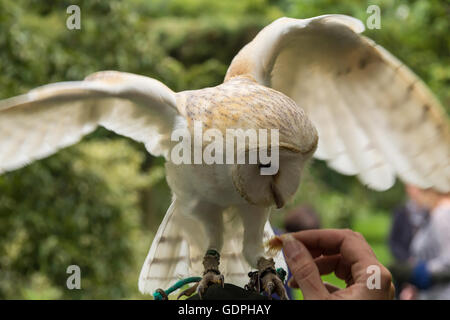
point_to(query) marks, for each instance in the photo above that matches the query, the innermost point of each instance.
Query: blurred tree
(78, 207)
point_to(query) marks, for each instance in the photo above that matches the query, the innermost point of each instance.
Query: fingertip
(291, 246)
(305, 274)
(285, 237)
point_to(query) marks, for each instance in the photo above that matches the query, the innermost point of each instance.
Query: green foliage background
(99, 203)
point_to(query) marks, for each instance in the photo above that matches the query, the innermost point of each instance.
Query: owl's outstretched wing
(37, 124)
(375, 118)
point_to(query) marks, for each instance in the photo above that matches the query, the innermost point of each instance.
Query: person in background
(427, 269)
(406, 221)
(301, 218)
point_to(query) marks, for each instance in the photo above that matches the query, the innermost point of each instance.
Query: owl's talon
(189, 291)
(163, 294)
(254, 283)
(270, 281)
(209, 278)
(211, 275)
(269, 287)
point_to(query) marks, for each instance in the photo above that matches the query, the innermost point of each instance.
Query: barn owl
(310, 78)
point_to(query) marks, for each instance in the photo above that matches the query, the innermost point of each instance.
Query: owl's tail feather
(179, 246)
(168, 258)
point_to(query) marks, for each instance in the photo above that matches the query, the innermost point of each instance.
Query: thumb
(304, 269)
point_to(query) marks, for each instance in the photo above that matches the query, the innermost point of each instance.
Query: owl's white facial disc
(268, 190)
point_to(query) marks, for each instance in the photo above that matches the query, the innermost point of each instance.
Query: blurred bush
(97, 204)
(78, 207)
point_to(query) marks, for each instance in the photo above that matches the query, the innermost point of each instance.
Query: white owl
(312, 78)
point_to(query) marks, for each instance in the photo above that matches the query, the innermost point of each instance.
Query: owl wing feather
(375, 118)
(37, 124)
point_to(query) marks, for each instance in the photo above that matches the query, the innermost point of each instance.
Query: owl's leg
(211, 273)
(266, 278)
(270, 281)
(211, 218)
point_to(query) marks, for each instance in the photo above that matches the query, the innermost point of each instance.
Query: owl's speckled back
(241, 103)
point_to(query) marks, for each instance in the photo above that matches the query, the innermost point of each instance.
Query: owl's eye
(267, 165)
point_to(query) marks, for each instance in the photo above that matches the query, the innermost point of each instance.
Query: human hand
(312, 253)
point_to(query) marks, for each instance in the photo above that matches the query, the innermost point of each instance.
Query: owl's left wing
(39, 123)
(375, 117)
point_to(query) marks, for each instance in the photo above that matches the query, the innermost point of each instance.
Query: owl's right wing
(375, 118)
(39, 123)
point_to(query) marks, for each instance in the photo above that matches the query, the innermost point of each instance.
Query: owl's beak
(277, 197)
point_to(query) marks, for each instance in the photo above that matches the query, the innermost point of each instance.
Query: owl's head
(255, 114)
(276, 189)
